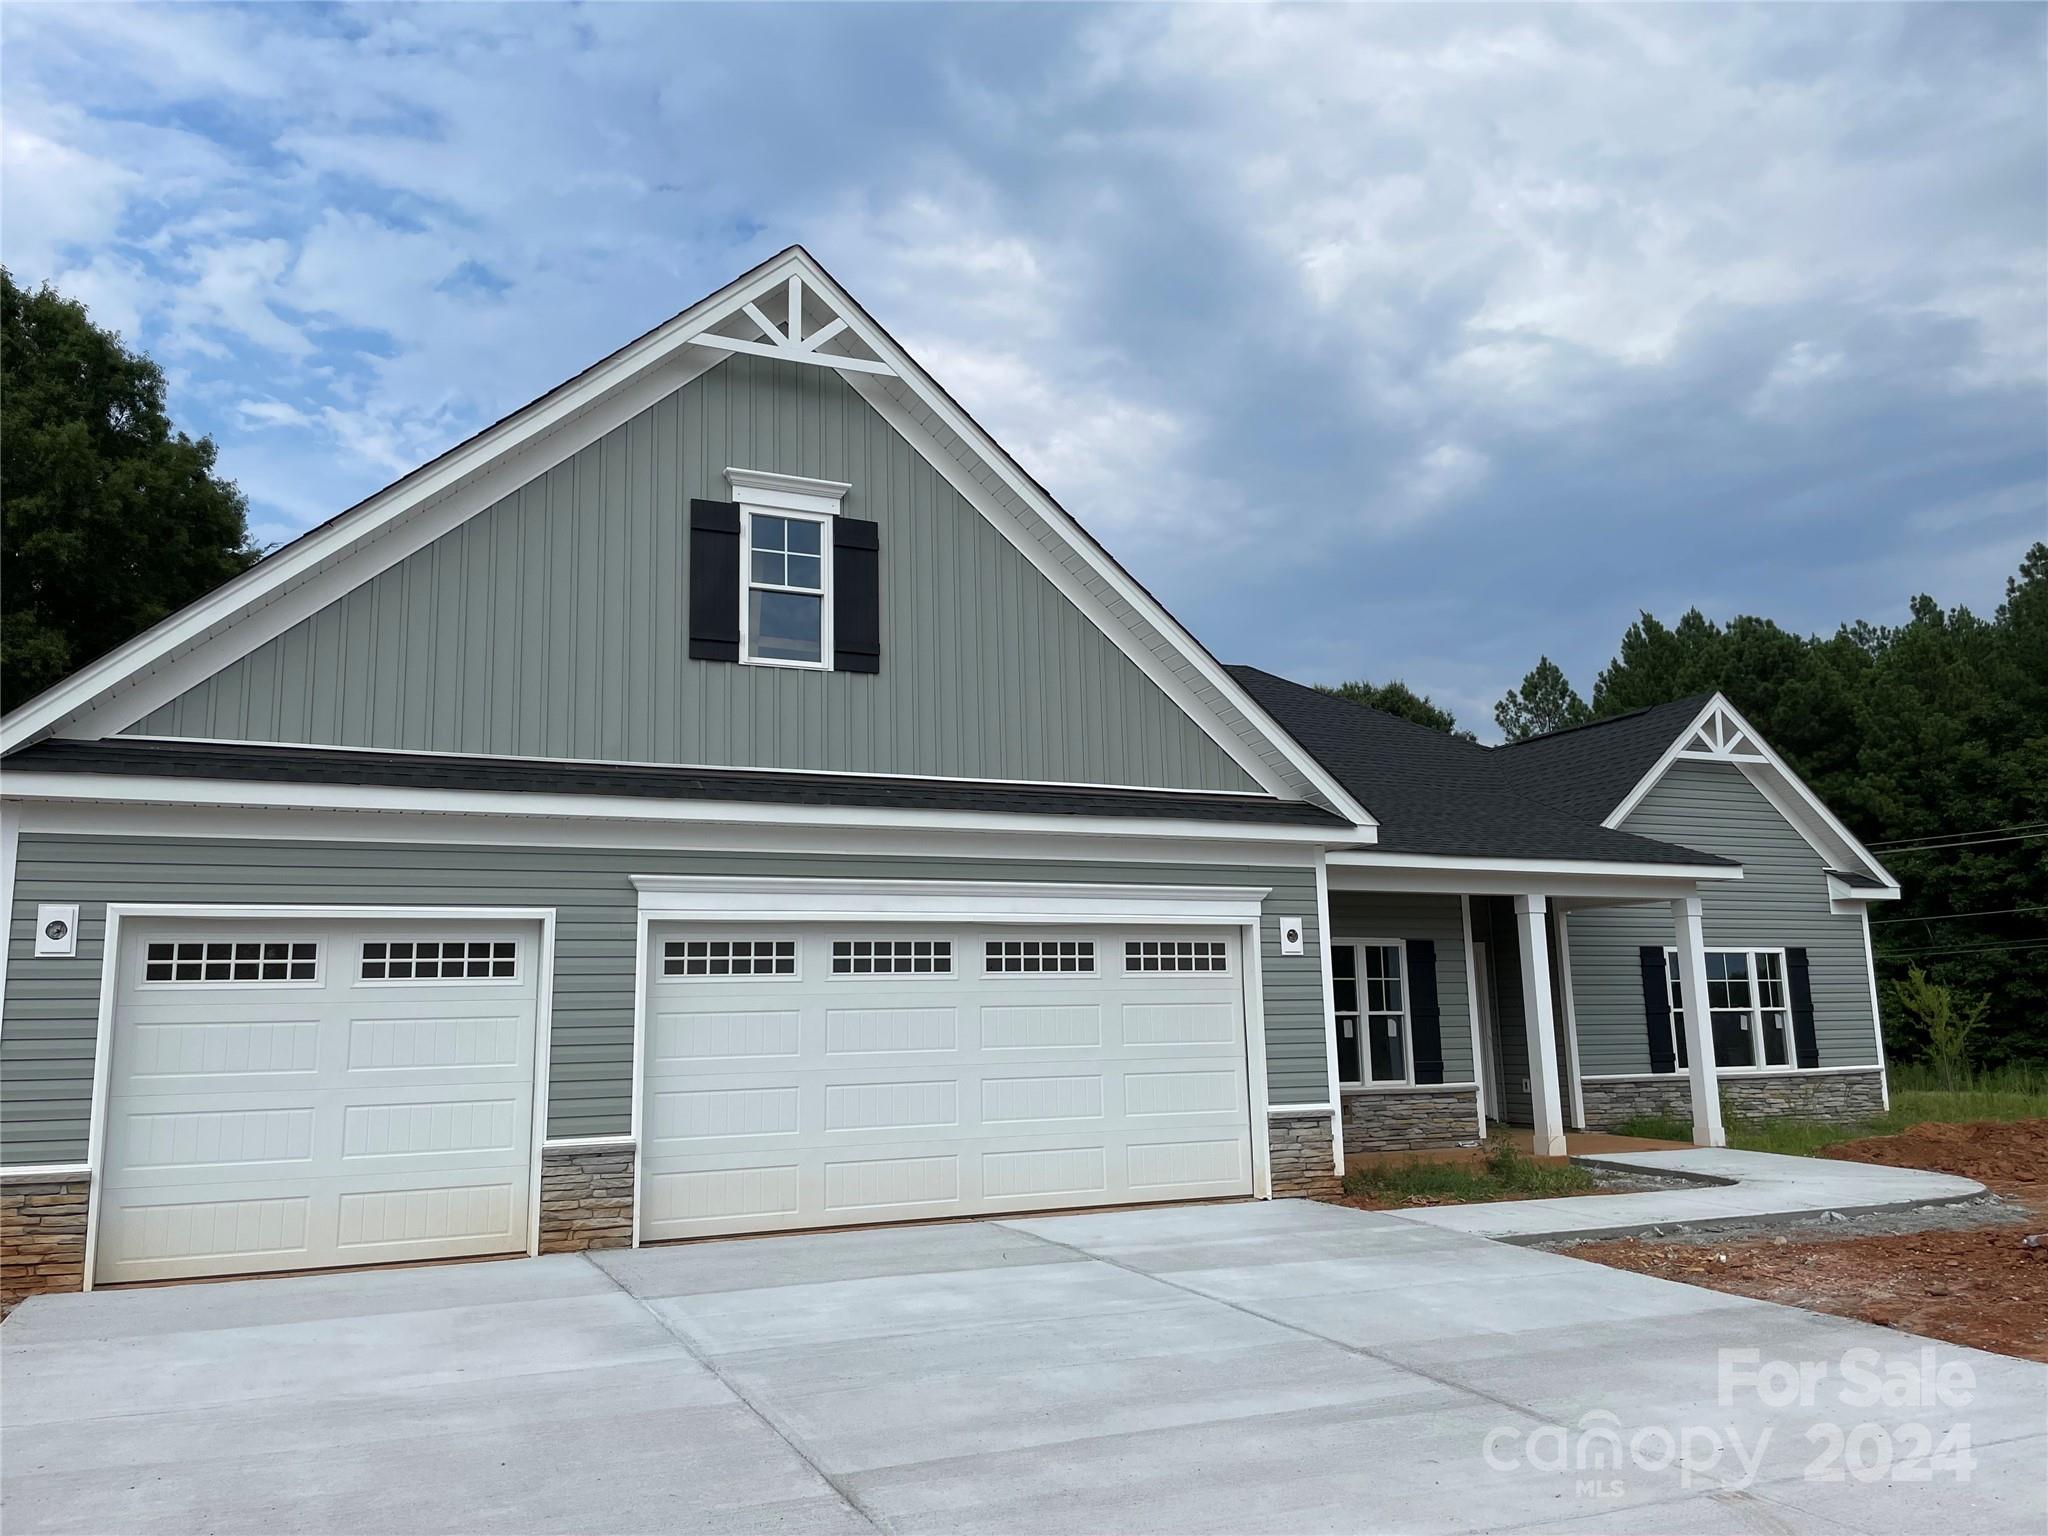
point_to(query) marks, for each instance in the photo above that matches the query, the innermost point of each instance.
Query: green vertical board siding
(1381, 915)
(1781, 902)
(554, 624)
(46, 1045)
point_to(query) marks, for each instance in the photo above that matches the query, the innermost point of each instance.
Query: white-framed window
(714, 959)
(786, 613)
(1748, 1007)
(440, 960)
(216, 962)
(1039, 957)
(892, 957)
(1371, 980)
(1177, 955)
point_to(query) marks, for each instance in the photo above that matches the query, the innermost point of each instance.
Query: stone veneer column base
(1411, 1119)
(586, 1198)
(42, 1234)
(1761, 1096)
(1303, 1161)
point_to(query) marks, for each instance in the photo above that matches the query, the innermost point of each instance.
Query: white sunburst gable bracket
(1719, 737)
(786, 340)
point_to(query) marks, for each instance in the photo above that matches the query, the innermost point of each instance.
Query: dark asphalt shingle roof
(1433, 793)
(398, 770)
(1588, 770)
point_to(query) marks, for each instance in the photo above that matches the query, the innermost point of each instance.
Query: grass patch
(1505, 1172)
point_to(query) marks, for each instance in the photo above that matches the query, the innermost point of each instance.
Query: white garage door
(813, 1076)
(290, 1095)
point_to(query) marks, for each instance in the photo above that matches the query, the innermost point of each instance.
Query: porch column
(1699, 1029)
(1545, 1111)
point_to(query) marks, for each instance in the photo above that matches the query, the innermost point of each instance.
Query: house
(729, 795)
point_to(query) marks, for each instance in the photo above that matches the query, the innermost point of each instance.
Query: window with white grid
(892, 957)
(1175, 955)
(232, 960)
(441, 960)
(1039, 957)
(728, 957)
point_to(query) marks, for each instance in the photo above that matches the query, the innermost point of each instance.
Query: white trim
(118, 912)
(1582, 876)
(1532, 943)
(223, 626)
(766, 899)
(584, 1143)
(1756, 1009)
(1571, 1016)
(1325, 940)
(774, 492)
(1740, 1073)
(643, 962)
(1479, 1075)
(10, 845)
(1255, 1129)
(140, 789)
(26, 1173)
(1846, 900)
(1876, 1015)
(1302, 1111)
(1249, 796)
(1356, 943)
(1787, 793)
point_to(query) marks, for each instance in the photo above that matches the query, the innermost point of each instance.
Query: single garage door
(287, 1095)
(822, 1076)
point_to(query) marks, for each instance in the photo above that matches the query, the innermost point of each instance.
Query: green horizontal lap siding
(554, 624)
(52, 1006)
(1441, 919)
(1781, 902)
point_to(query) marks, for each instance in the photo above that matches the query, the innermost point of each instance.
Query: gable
(1714, 808)
(553, 624)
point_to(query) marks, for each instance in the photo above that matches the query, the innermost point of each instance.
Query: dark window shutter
(1657, 1008)
(714, 580)
(1799, 982)
(1425, 1018)
(856, 596)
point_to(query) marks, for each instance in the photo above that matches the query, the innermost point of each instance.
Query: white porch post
(1699, 1031)
(1537, 1015)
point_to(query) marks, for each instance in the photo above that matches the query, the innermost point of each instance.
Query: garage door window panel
(464, 960)
(1039, 957)
(892, 957)
(216, 962)
(1209, 957)
(721, 959)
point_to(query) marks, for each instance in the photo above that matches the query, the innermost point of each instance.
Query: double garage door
(291, 1095)
(830, 1075)
(294, 1094)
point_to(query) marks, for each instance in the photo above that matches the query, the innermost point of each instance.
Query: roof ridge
(1590, 725)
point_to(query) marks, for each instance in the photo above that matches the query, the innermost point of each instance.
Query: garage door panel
(889, 1098)
(257, 1127)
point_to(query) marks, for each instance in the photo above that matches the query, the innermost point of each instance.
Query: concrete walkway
(1733, 1188)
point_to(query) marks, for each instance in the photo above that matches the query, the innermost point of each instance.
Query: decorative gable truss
(1719, 734)
(809, 330)
(1720, 737)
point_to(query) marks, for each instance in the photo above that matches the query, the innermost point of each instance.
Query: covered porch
(1451, 997)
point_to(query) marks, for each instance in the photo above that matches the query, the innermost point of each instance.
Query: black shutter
(1425, 1018)
(714, 580)
(856, 596)
(1657, 1008)
(1805, 1039)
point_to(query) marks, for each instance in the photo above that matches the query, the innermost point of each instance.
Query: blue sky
(1378, 341)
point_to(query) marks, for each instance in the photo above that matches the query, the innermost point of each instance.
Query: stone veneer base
(1302, 1160)
(586, 1198)
(42, 1235)
(1765, 1096)
(1411, 1120)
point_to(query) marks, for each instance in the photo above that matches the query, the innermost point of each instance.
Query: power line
(1969, 842)
(2019, 948)
(1949, 917)
(1900, 842)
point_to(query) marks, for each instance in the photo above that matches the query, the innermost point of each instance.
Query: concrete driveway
(1255, 1367)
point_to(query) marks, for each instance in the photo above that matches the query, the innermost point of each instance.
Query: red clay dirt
(1982, 1287)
